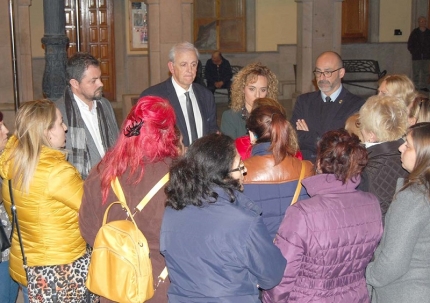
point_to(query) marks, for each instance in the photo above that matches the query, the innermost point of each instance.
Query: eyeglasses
(240, 168)
(326, 74)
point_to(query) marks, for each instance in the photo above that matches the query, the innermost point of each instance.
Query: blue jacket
(272, 187)
(219, 252)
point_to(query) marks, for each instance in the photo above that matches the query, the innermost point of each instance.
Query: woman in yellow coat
(47, 192)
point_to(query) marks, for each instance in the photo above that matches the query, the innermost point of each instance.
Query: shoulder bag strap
(152, 192)
(15, 221)
(299, 185)
(116, 186)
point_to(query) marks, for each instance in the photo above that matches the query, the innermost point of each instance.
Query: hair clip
(133, 129)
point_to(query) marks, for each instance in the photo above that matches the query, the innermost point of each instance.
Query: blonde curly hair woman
(253, 81)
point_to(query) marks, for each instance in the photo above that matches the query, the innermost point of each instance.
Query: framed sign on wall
(138, 26)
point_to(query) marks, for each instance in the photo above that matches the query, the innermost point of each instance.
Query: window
(219, 24)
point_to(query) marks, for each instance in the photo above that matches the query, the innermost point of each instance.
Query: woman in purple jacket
(330, 238)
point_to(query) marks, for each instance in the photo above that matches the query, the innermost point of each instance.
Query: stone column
(250, 26)
(55, 41)
(319, 29)
(23, 45)
(374, 21)
(170, 22)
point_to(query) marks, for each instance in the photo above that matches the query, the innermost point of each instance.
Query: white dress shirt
(180, 92)
(91, 121)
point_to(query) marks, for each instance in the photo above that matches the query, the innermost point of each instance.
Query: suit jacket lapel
(200, 100)
(174, 101)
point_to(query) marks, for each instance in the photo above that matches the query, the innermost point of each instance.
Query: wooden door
(354, 21)
(96, 36)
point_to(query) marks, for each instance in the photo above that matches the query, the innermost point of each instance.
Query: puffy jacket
(219, 252)
(328, 241)
(271, 186)
(382, 171)
(48, 213)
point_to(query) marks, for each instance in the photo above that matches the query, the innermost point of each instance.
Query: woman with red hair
(140, 158)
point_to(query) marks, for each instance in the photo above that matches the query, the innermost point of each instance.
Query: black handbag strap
(15, 222)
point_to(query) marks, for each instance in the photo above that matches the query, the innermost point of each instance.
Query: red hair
(269, 124)
(152, 139)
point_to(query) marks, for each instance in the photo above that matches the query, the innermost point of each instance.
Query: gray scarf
(80, 155)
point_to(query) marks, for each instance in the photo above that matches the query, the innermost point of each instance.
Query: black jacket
(214, 74)
(309, 107)
(419, 44)
(382, 171)
(204, 97)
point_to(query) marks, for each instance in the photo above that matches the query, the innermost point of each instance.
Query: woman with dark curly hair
(400, 271)
(330, 238)
(216, 246)
(251, 82)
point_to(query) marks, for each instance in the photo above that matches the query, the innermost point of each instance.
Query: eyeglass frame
(240, 168)
(315, 72)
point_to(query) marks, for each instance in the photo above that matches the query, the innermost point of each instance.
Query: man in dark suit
(193, 103)
(327, 109)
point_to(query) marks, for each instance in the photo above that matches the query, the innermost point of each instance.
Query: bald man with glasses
(326, 109)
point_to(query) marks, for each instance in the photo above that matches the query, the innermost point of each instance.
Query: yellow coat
(48, 213)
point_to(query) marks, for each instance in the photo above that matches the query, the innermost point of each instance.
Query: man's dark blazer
(309, 107)
(205, 100)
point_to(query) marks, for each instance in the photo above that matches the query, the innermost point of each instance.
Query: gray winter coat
(401, 270)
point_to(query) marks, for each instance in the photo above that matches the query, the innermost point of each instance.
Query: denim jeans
(8, 287)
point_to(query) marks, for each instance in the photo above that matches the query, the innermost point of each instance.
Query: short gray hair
(182, 47)
(385, 116)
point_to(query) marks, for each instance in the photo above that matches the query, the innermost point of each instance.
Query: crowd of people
(332, 205)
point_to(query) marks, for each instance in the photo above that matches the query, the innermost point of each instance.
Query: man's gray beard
(322, 88)
(98, 96)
